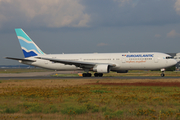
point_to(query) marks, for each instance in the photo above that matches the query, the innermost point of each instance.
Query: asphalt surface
(119, 77)
(48, 75)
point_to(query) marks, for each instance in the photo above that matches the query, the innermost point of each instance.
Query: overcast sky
(88, 26)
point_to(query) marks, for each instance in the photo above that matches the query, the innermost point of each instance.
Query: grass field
(90, 99)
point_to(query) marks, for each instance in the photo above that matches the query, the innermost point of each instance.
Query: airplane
(97, 62)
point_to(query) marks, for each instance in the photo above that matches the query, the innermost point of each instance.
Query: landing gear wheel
(95, 74)
(98, 74)
(87, 75)
(162, 75)
(84, 74)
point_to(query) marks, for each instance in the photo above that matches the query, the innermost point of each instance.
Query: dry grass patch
(79, 99)
(75, 82)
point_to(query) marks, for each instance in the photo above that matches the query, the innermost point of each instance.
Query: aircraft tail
(28, 47)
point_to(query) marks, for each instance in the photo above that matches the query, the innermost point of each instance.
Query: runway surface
(48, 75)
(119, 77)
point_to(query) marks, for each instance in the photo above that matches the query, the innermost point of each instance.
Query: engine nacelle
(102, 68)
(122, 71)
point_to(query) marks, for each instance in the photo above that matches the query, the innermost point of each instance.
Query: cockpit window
(176, 57)
(169, 57)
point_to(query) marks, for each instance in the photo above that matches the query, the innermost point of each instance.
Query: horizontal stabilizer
(22, 59)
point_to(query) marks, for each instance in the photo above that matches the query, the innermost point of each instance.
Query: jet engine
(102, 68)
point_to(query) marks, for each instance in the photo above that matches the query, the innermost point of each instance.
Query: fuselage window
(140, 58)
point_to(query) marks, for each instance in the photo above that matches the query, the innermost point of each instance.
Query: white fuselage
(122, 61)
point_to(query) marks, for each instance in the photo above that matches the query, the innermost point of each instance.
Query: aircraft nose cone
(174, 62)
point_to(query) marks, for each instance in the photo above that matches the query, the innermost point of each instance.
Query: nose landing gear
(162, 74)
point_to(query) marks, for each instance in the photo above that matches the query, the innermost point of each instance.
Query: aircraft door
(156, 60)
(123, 60)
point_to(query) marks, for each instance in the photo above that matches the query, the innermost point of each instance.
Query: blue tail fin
(28, 47)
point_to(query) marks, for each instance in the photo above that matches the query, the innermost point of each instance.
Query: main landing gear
(95, 74)
(98, 74)
(162, 74)
(86, 74)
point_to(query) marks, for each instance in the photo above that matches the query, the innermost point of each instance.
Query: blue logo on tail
(29, 48)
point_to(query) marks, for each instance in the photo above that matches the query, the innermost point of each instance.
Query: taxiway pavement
(48, 75)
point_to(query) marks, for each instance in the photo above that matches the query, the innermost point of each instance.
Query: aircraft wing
(22, 59)
(80, 64)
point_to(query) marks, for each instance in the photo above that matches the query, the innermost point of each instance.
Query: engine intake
(102, 68)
